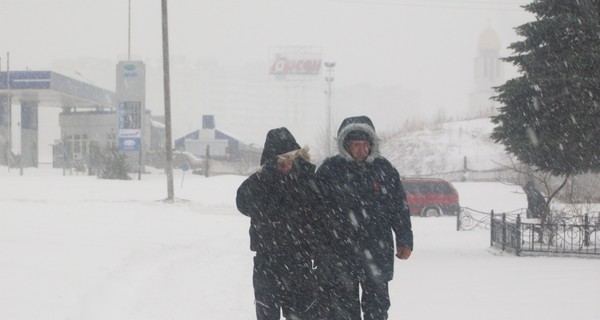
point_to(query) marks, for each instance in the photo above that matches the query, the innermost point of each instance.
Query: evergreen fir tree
(550, 117)
(114, 165)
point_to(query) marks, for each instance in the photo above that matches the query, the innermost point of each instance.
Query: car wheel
(431, 212)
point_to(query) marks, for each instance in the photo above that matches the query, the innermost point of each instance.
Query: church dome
(488, 40)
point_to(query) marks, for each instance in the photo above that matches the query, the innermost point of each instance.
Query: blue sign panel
(129, 144)
(25, 80)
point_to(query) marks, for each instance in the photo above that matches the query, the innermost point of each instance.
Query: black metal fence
(470, 219)
(578, 235)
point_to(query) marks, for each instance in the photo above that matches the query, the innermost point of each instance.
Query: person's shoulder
(250, 179)
(332, 161)
(385, 165)
(383, 162)
(262, 173)
(329, 164)
(338, 158)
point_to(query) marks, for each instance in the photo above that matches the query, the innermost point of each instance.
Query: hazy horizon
(406, 43)
(426, 47)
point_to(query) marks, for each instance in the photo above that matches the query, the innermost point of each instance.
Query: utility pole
(329, 79)
(9, 133)
(167, 94)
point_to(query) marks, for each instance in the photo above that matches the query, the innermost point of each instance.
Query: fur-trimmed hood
(301, 153)
(361, 125)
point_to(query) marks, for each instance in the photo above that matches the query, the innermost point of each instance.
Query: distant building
(88, 120)
(218, 145)
(82, 130)
(489, 73)
(27, 91)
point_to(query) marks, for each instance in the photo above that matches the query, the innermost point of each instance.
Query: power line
(510, 3)
(463, 4)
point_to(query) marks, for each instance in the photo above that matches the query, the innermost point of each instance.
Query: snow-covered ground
(443, 147)
(76, 247)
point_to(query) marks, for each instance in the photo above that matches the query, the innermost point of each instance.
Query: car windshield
(426, 187)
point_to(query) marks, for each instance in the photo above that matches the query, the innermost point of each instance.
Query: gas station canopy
(51, 89)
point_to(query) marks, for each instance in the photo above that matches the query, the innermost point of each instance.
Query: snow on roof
(157, 124)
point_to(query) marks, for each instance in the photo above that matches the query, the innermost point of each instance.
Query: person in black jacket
(536, 203)
(281, 200)
(366, 202)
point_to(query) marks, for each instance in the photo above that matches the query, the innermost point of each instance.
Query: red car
(430, 197)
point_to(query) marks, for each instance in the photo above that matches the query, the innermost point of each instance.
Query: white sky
(425, 46)
(414, 44)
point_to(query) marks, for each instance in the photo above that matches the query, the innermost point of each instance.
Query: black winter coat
(283, 210)
(367, 202)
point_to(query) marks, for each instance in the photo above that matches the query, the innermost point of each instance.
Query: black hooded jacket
(283, 208)
(367, 202)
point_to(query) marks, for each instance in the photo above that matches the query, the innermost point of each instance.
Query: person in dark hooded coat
(366, 203)
(536, 203)
(281, 199)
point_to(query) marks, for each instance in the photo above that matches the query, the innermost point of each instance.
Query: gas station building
(88, 116)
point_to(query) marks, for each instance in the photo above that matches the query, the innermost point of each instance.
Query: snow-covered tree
(550, 117)
(114, 164)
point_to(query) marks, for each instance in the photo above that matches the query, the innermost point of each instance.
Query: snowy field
(76, 247)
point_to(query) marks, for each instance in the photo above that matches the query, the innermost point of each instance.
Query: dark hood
(279, 141)
(360, 126)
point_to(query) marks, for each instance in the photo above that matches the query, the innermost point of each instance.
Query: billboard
(296, 62)
(131, 97)
(130, 125)
(130, 115)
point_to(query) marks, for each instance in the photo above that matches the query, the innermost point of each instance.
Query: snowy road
(77, 247)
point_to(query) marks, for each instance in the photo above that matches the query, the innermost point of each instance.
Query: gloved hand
(403, 252)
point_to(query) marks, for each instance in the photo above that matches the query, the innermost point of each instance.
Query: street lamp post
(329, 79)
(129, 33)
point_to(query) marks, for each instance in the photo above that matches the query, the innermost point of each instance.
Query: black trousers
(340, 280)
(284, 284)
